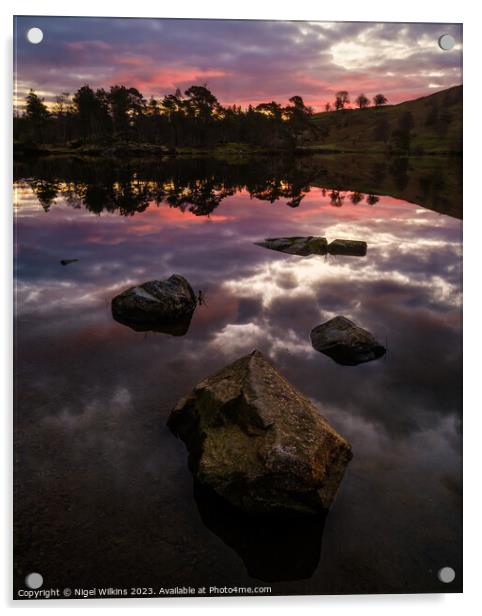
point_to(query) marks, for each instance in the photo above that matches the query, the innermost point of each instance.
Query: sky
(242, 62)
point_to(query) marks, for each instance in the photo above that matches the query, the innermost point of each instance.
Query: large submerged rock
(158, 305)
(258, 442)
(345, 342)
(302, 246)
(311, 245)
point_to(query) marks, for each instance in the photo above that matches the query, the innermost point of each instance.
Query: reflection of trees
(199, 185)
(276, 188)
(356, 197)
(46, 191)
(130, 197)
(126, 197)
(336, 198)
(200, 197)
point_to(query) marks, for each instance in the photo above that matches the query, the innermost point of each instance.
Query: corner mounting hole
(446, 575)
(446, 42)
(35, 36)
(34, 580)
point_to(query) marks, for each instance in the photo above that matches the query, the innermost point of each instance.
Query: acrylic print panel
(237, 308)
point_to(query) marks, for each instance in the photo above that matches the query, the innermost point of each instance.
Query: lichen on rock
(258, 442)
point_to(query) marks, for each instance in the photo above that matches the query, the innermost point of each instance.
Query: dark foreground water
(103, 495)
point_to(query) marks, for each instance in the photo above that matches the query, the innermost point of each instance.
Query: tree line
(342, 99)
(193, 118)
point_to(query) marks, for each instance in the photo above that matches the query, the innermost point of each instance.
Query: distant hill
(428, 125)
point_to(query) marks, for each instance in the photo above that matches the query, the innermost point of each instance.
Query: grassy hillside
(428, 125)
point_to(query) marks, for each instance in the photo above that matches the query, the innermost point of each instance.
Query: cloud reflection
(92, 395)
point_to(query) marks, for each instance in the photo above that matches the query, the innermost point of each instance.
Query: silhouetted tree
(92, 111)
(380, 99)
(63, 105)
(36, 108)
(341, 99)
(299, 116)
(201, 102)
(36, 114)
(200, 105)
(62, 112)
(362, 101)
(126, 105)
(153, 108)
(272, 110)
(173, 106)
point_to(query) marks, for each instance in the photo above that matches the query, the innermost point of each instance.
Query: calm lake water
(103, 495)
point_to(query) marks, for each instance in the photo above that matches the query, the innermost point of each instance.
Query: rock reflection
(272, 549)
(172, 327)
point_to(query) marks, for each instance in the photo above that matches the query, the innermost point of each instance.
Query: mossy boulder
(258, 442)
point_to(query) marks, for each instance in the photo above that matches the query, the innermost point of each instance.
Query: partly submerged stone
(158, 305)
(345, 342)
(311, 245)
(258, 442)
(353, 248)
(302, 246)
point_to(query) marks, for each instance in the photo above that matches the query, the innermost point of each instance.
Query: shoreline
(143, 150)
